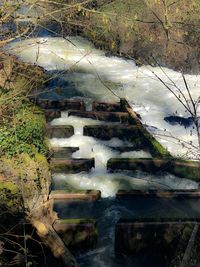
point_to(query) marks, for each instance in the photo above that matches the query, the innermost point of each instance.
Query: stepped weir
(110, 174)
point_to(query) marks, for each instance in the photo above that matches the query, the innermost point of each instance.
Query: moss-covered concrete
(160, 242)
(90, 195)
(121, 117)
(106, 132)
(123, 194)
(59, 131)
(78, 234)
(63, 152)
(183, 169)
(147, 140)
(106, 107)
(71, 165)
(61, 104)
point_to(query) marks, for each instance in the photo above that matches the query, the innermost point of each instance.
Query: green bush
(25, 135)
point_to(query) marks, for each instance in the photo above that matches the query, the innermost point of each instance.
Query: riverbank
(24, 170)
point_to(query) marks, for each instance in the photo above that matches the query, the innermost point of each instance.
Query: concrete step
(149, 236)
(51, 114)
(89, 195)
(121, 117)
(71, 165)
(62, 104)
(78, 234)
(183, 169)
(106, 132)
(63, 152)
(122, 194)
(59, 131)
(109, 107)
(123, 149)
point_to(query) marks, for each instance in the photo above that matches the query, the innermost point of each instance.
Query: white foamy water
(110, 183)
(147, 95)
(78, 122)
(90, 147)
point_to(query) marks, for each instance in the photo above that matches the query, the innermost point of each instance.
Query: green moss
(77, 221)
(188, 172)
(10, 186)
(9, 196)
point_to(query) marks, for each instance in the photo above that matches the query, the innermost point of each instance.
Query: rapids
(102, 151)
(78, 70)
(82, 71)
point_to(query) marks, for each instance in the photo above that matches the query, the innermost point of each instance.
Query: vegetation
(166, 29)
(144, 29)
(24, 170)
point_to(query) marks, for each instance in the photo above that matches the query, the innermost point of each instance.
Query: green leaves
(25, 135)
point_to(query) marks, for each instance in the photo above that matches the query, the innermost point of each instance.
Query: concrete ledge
(90, 195)
(63, 104)
(154, 147)
(106, 132)
(158, 194)
(63, 152)
(183, 169)
(78, 234)
(51, 114)
(59, 131)
(123, 149)
(103, 106)
(71, 165)
(156, 240)
(121, 117)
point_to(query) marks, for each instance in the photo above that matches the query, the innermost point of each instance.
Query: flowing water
(78, 70)
(102, 151)
(81, 71)
(109, 210)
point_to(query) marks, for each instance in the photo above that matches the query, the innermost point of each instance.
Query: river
(80, 71)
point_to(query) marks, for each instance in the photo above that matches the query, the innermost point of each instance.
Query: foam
(138, 85)
(109, 184)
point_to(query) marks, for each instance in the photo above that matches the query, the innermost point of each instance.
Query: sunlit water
(81, 71)
(102, 151)
(90, 72)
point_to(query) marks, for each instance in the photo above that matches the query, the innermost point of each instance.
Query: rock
(174, 120)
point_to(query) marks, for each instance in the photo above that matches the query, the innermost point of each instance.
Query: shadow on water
(109, 211)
